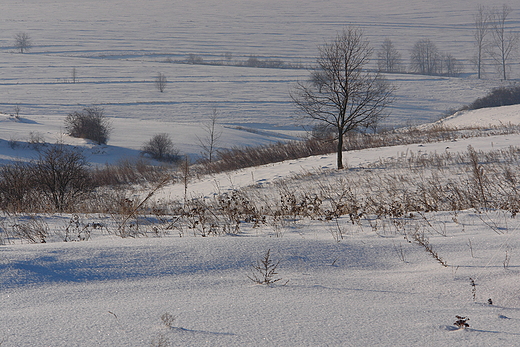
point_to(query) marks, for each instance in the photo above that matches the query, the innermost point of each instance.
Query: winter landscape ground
(386, 252)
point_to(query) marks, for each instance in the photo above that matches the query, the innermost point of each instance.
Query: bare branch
(340, 93)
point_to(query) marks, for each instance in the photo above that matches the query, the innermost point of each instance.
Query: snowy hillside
(340, 284)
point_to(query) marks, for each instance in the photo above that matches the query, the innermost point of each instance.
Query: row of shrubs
(242, 157)
(500, 96)
(384, 200)
(60, 180)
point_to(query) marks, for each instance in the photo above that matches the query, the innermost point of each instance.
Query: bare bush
(160, 82)
(23, 42)
(16, 182)
(264, 271)
(160, 147)
(90, 123)
(62, 176)
(57, 181)
(34, 230)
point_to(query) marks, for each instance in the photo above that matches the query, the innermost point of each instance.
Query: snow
(113, 291)
(493, 116)
(373, 287)
(118, 47)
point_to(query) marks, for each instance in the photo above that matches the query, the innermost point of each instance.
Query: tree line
(493, 41)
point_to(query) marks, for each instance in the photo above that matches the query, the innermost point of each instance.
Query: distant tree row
(492, 38)
(425, 59)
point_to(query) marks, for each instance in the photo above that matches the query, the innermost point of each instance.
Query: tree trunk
(340, 150)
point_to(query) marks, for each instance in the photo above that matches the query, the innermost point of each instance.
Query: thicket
(90, 123)
(56, 181)
(60, 180)
(501, 96)
(319, 144)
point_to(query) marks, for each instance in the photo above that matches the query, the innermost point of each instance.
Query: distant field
(117, 47)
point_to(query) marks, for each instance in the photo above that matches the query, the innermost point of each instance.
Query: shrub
(160, 147)
(35, 230)
(128, 171)
(55, 181)
(264, 271)
(89, 124)
(61, 175)
(15, 183)
(501, 96)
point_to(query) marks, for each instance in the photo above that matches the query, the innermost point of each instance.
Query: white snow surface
(111, 291)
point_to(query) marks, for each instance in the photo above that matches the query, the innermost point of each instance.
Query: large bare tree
(388, 57)
(340, 93)
(504, 42)
(482, 21)
(425, 58)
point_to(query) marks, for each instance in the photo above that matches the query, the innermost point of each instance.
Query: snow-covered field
(340, 284)
(118, 47)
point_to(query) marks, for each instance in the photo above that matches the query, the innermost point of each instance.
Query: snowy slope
(372, 287)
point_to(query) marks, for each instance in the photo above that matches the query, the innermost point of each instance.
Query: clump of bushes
(160, 147)
(90, 123)
(56, 181)
(501, 96)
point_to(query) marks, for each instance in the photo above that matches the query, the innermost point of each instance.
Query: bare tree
(425, 58)
(210, 141)
(503, 43)
(450, 65)
(348, 97)
(388, 57)
(23, 42)
(74, 75)
(482, 21)
(160, 82)
(62, 176)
